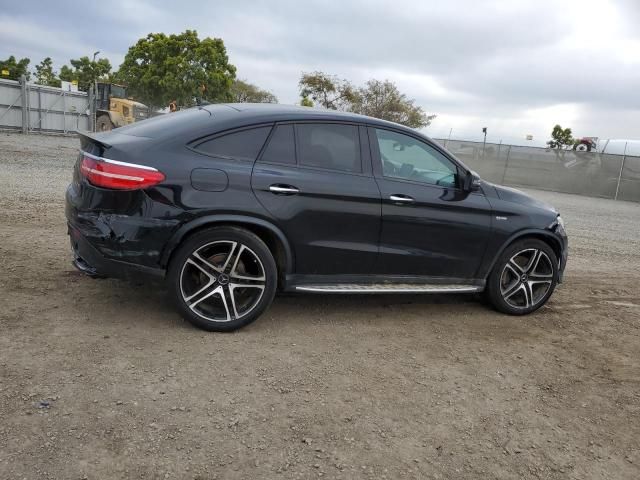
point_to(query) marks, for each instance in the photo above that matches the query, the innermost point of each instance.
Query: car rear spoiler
(88, 138)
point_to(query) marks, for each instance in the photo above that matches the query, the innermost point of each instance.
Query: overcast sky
(515, 66)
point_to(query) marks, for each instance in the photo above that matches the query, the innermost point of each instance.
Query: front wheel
(223, 278)
(523, 278)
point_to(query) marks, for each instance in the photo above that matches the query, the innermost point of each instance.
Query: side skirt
(380, 284)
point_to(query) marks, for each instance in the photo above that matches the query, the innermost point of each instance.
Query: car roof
(280, 112)
(195, 122)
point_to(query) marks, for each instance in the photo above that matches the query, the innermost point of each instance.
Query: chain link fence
(583, 173)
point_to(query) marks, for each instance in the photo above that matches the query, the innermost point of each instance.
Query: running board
(388, 288)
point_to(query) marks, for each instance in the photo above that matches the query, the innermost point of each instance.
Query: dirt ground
(101, 379)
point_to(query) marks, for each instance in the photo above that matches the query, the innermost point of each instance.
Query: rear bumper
(112, 233)
(90, 261)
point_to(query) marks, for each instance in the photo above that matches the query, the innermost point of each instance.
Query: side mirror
(471, 182)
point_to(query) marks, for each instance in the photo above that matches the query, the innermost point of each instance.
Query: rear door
(315, 179)
(430, 226)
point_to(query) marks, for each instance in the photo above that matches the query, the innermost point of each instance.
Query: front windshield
(118, 91)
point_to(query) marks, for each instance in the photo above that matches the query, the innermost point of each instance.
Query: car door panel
(429, 230)
(332, 220)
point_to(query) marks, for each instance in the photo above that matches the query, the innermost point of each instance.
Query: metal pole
(446, 142)
(64, 112)
(624, 157)
(91, 103)
(506, 164)
(40, 108)
(484, 142)
(25, 114)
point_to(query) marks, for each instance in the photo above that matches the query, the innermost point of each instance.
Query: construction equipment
(585, 144)
(114, 109)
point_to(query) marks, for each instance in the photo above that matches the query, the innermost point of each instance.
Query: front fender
(487, 267)
(212, 220)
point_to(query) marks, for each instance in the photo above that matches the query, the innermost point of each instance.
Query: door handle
(404, 199)
(283, 190)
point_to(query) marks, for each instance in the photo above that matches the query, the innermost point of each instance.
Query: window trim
(195, 143)
(376, 158)
(361, 173)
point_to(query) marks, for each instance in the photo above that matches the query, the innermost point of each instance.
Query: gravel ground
(102, 379)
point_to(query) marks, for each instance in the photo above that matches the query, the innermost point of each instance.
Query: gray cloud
(513, 65)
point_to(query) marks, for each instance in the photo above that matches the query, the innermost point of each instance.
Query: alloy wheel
(526, 278)
(222, 281)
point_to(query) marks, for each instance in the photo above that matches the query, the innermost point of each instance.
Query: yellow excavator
(114, 109)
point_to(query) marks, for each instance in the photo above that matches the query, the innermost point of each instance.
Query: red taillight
(106, 173)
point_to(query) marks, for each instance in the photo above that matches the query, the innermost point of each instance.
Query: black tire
(205, 262)
(537, 280)
(103, 124)
(582, 147)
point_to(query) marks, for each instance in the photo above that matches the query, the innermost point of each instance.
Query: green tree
(16, 68)
(327, 91)
(380, 99)
(560, 138)
(161, 68)
(45, 74)
(244, 92)
(85, 71)
(306, 102)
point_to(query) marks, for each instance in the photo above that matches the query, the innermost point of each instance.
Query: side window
(281, 147)
(410, 159)
(242, 145)
(327, 145)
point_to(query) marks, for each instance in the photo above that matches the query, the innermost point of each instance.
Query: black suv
(230, 203)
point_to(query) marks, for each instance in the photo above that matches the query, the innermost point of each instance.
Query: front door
(430, 226)
(313, 181)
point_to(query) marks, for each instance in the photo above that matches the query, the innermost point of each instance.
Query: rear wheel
(223, 278)
(523, 278)
(103, 123)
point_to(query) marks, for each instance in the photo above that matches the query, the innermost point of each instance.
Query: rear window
(332, 146)
(240, 145)
(168, 124)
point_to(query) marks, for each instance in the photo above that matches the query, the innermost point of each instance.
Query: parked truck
(114, 109)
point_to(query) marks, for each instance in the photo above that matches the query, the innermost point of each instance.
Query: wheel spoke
(515, 268)
(232, 257)
(232, 294)
(247, 279)
(203, 265)
(528, 294)
(541, 278)
(533, 261)
(229, 303)
(201, 295)
(513, 288)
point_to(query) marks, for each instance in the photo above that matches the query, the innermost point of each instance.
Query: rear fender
(213, 220)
